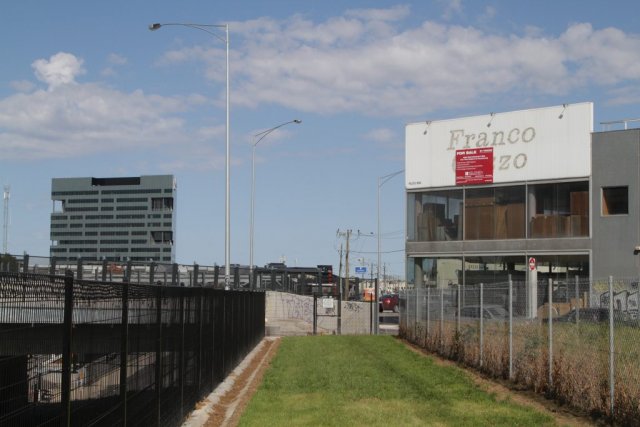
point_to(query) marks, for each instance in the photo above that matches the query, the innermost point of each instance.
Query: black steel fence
(78, 352)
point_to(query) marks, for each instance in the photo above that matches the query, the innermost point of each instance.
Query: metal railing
(576, 341)
(624, 122)
(302, 281)
(80, 352)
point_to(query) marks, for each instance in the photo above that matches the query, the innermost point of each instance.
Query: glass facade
(495, 213)
(555, 210)
(436, 215)
(467, 270)
(559, 210)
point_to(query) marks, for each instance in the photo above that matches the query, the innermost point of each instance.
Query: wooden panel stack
(579, 207)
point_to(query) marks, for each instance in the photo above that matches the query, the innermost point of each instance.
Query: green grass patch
(372, 381)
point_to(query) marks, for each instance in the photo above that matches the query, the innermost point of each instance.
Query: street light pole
(227, 216)
(381, 181)
(259, 137)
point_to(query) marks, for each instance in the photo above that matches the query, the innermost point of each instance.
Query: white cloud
(381, 135)
(82, 119)
(451, 8)
(22, 85)
(62, 68)
(395, 13)
(362, 63)
(116, 59)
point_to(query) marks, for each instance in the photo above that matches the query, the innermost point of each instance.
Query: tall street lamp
(381, 181)
(227, 217)
(258, 137)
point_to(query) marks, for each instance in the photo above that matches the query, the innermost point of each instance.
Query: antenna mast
(5, 226)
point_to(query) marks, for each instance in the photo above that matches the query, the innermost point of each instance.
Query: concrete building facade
(114, 219)
(532, 195)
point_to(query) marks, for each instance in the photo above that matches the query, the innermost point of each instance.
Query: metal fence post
(128, 272)
(481, 324)
(52, 266)
(152, 272)
(104, 269)
(510, 327)
(441, 318)
(611, 348)
(339, 313)
(458, 299)
(550, 299)
(158, 367)
(199, 309)
(428, 313)
(578, 299)
(174, 274)
(124, 350)
(25, 263)
(417, 310)
(181, 355)
(315, 313)
(65, 397)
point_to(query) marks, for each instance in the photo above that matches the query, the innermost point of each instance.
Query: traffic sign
(532, 263)
(361, 270)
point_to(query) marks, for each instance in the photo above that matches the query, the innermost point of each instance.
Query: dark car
(388, 302)
(491, 312)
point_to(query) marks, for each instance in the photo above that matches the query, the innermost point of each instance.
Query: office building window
(615, 201)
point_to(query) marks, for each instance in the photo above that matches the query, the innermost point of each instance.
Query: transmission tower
(5, 224)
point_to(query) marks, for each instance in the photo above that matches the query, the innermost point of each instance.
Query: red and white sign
(474, 166)
(528, 145)
(532, 263)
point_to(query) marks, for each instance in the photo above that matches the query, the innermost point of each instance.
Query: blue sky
(87, 90)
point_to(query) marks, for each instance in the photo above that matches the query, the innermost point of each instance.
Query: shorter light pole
(258, 137)
(381, 181)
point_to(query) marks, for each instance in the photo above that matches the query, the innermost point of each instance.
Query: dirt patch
(506, 391)
(227, 411)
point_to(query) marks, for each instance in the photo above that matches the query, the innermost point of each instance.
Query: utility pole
(340, 268)
(371, 281)
(5, 224)
(346, 265)
(384, 274)
(347, 236)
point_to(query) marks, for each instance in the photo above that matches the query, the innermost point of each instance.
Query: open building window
(615, 201)
(162, 203)
(162, 236)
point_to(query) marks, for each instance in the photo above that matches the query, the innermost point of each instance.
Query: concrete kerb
(200, 416)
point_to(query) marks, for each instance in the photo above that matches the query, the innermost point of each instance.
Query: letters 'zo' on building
(114, 219)
(533, 194)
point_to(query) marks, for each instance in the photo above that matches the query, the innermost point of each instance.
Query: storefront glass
(472, 270)
(559, 210)
(495, 213)
(435, 216)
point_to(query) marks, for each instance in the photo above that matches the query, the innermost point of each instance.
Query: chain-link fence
(576, 341)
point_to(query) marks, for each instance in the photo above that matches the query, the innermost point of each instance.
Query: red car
(389, 302)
